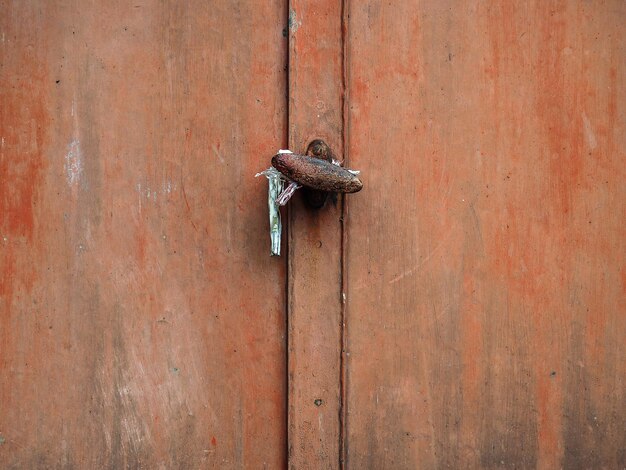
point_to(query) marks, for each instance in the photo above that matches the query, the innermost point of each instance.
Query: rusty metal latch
(317, 172)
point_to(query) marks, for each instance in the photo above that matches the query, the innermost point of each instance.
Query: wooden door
(142, 322)
(485, 290)
(465, 310)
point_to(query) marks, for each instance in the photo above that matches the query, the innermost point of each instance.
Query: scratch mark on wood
(414, 269)
(589, 134)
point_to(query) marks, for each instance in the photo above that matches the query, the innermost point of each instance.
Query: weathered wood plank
(315, 111)
(141, 319)
(485, 297)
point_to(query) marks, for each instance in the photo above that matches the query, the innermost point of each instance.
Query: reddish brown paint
(483, 265)
(315, 277)
(142, 321)
(485, 294)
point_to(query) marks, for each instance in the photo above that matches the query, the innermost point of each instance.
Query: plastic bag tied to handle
(277, 195)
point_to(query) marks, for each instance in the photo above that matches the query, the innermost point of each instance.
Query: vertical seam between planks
(289, 248)
(342, 256)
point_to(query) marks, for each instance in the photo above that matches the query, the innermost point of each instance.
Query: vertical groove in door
(343, 411)
(287, 248)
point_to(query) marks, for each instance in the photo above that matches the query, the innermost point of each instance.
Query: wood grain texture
(141, 319)
(486, 280)
(314, 286)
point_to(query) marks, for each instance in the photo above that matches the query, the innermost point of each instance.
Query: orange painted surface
(315, 274)
(485, 256)
(142, 321)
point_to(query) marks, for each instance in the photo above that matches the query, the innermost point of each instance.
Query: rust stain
(23, 127)
(557, 95)
(24, 123)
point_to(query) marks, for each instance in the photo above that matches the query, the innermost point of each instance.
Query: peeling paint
(294, 24)
(73, 163)
(151, 193)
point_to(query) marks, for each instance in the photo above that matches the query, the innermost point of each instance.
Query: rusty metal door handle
(315, 173)
(318, 171)
(319, 175)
